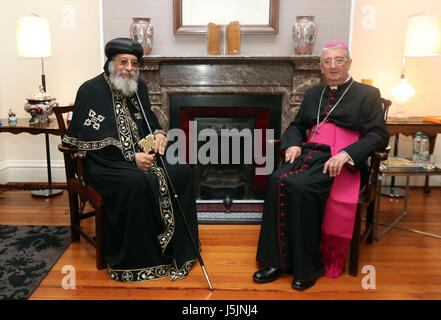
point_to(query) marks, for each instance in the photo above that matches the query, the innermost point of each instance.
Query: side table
(409, 126)
(408, 172)
(22, 125)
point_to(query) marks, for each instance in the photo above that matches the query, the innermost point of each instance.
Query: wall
(75, 35)
(77, 57)
(332, 18)
(379, 29)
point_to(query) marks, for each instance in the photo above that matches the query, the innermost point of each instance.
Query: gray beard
(127, 86)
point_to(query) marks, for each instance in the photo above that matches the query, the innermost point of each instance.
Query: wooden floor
(407, 265)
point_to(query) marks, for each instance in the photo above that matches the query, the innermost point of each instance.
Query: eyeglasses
(125, 62)
(338, 61)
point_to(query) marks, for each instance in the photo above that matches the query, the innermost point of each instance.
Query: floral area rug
(27, 253)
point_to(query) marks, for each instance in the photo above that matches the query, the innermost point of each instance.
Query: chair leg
(370, 222)
(74, 221)
(99, 227)
(355, 244)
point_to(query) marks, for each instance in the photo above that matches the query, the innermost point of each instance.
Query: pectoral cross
(148, 143)
(314, 132)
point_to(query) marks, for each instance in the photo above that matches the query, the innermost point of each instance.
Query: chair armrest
(374, 170)
(67, 149)
(381, 154)
(75, 152)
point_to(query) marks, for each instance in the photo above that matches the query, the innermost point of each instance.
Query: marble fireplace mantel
(288, 76)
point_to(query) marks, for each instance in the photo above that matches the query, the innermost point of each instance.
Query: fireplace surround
(260, 88)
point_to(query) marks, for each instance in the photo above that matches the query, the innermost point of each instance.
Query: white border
(351, 26)
(100, 5)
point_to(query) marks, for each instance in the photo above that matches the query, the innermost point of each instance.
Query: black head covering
(121, 46)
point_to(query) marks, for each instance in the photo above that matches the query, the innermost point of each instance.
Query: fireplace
(238, 116)
(230, 175)
(254, 92)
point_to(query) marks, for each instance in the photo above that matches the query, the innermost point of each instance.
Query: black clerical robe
(144, 235)
(291, 230)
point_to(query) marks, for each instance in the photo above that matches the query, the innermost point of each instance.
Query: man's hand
(162, 143)
(144, 161)
(292, 153)
(335, 164)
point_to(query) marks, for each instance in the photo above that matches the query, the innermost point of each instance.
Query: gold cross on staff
(148, 143)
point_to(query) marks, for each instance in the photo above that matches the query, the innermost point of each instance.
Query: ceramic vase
(40, 106)
(141, 30)
(304, 35)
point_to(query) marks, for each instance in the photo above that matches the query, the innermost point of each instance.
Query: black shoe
(267, 275)
(303, 284)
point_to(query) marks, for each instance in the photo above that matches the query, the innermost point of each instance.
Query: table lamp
(33, 40)
(423, 39)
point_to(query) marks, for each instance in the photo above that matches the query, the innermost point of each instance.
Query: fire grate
(238, 212)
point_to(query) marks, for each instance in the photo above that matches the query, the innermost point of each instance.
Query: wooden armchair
(80, 193)
(366, 203)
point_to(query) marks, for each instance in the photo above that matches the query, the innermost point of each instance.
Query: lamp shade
(423, 36)
(33, 37)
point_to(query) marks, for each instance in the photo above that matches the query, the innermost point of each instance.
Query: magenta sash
(341, 206)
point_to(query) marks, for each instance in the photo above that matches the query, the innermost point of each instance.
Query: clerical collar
(342, 86)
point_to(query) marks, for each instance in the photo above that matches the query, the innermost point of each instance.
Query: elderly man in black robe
(311, 199)
(144, 236)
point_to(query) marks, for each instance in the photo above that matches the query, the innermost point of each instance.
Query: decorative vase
(141, 30)
(40, 106)
(304, 35)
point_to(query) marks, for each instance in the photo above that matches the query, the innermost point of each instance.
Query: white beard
(127, 86)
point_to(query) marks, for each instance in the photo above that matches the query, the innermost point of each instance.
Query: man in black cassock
(308, 217)
(144, 236)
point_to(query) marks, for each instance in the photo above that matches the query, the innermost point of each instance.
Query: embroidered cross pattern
(94, 120)
(148, 143)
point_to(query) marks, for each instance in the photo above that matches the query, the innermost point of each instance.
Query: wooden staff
(187, 228)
